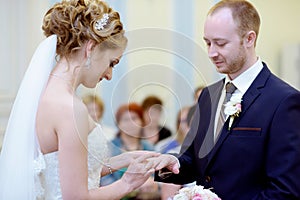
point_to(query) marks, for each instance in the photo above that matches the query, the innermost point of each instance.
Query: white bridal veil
(20, 146)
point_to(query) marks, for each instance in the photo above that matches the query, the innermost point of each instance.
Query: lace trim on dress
(39, 166)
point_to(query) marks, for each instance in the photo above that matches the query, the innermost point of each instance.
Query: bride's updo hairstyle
(77, 21)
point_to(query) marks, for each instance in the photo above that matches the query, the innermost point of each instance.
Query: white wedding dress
(47, 182)
(25, 173)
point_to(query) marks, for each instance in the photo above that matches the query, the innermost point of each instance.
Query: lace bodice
(47, 181)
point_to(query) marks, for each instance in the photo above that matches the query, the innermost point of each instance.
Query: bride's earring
(88, 62)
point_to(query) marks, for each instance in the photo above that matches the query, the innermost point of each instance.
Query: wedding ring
(164, 174)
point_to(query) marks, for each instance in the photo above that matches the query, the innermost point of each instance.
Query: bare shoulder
(61, 113)
(72, 115)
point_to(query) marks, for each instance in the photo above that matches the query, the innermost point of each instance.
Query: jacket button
(207, 179)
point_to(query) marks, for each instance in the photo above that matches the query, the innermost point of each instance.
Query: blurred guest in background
(129, 119)
(153, 131)
(197, 92)
(96, 108)
(173, 143)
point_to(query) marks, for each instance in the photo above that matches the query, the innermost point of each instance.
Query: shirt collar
(244, 80)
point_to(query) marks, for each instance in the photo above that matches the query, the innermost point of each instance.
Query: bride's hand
(124, 160)
(150, 186)
(130, 156)
(138, 171)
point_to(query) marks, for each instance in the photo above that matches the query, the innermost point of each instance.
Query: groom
(256, 153)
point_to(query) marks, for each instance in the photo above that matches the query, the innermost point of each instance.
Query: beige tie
(230, 88)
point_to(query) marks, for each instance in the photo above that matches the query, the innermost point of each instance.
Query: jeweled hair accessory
(100, 23)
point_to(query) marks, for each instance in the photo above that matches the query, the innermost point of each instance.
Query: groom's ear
(250, 39)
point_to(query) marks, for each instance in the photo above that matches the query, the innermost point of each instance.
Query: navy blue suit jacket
(259, 157)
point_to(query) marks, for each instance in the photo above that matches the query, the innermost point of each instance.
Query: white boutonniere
(233, 108)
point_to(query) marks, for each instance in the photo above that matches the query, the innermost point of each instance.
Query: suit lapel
(254, 90)
(248, 99)
(208, 143)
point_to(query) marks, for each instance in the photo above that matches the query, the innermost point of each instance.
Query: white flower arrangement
(196, 192)
(233, 108)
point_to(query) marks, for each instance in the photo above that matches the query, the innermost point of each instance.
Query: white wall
(20, 33)
(290, 60)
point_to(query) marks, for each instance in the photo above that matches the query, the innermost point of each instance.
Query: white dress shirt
(242, 83)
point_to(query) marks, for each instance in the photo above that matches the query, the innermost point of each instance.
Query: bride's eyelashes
(113, 63)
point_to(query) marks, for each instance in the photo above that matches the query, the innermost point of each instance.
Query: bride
(49, 149)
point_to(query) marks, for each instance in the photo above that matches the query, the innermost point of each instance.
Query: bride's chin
(90, 85)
